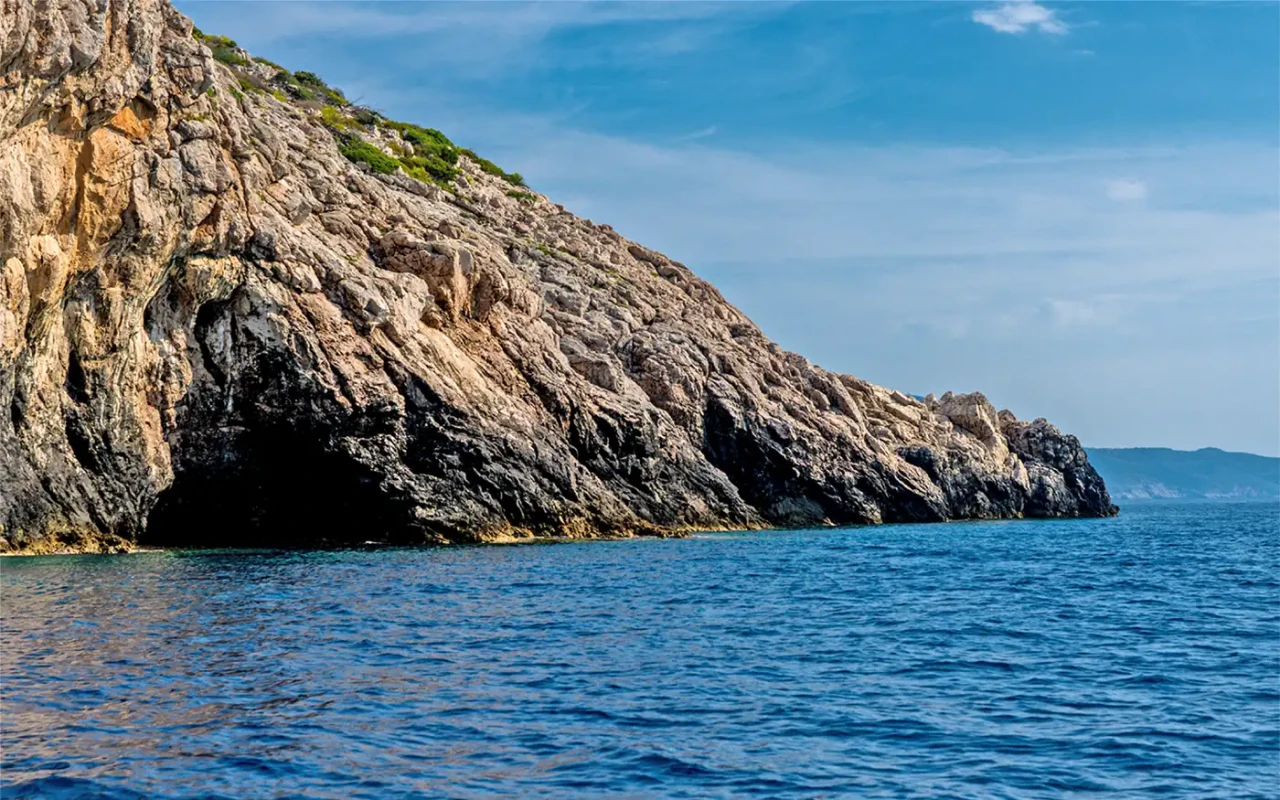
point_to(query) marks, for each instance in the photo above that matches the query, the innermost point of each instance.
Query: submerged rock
(215, 329)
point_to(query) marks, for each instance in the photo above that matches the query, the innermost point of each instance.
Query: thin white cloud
(1107, 309)
(521, 20)
(710, 130)
(1073, 312)
(472, 38)
(1126, 190)
(1020, 16)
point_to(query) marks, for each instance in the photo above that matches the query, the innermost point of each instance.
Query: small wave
(57, 787)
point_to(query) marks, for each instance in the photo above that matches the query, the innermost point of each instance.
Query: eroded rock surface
(215, 329)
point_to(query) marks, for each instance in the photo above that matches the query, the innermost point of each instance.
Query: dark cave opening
(275, 487)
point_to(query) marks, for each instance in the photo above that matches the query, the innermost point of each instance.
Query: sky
(1071, 207)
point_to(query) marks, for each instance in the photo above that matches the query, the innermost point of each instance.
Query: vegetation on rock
(361, 152)
(424, 154)
(224, 49)
(491, 168)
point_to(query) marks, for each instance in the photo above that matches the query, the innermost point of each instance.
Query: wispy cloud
(524, 20)
(710, 130)
(1021, 16)
(1126, 190)
(479, 41)
(1106, 309)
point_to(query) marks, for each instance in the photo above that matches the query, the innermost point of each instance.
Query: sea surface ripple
(1133, 656)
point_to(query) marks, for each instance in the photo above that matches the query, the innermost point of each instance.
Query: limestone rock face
(214, 329)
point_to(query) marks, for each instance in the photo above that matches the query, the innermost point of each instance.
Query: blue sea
(1137, 656)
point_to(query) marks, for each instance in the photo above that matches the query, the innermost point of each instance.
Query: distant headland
(1159, 473)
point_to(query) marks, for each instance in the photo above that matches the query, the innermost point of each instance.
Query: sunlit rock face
(217, 329)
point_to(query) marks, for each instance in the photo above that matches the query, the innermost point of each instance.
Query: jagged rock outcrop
(216, 329)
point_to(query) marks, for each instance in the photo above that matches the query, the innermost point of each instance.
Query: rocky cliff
(236, 310)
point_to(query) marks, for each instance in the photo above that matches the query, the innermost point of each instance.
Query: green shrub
(309, 79)
(430, 146)
(485, 164)
(224, 49)
(335, 120)
(434, 158)
(491, 168)
(427, 142)
(433, 154)
(286, 80)
(310, 86)
(229, 57)
(250, 85)
(418, 173)
(212, 39)
(436, 167)
(432, 140)
(360, 151)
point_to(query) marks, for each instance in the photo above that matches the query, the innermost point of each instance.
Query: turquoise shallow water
(1132, 656)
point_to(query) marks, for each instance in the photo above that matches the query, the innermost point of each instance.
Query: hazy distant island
(1159, 473)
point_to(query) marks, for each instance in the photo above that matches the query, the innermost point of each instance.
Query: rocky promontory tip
(237, 310)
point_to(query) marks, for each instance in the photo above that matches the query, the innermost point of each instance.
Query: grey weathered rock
(215, 329)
